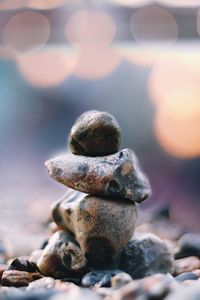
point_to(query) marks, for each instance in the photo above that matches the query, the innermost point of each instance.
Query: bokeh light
(47, 68)
(96, 62)
(138, 55)
(46, 4)
(130, 2)
(175, 90)
(87, 27)
(154, 24)
(181, 3)
(178, 75)
(26, 32)
(178, 135)
(12, 4)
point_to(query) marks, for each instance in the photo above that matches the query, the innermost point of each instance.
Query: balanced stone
(146, 255)
(62, 257)
(102, 226)
(117, 175)
(95, 133)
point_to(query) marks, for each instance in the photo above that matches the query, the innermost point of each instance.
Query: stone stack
(98, 219)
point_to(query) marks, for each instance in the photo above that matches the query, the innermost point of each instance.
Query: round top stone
(95, 133)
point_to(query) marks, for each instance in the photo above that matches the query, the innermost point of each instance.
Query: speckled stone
(102, 226)
(117, 175)
(62, 257)
(95, 133)
(146, 255)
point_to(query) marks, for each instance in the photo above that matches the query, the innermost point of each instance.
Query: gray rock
(62, 257)
(102, 226)
(100, 278)
(117, 175)
(146, 255)
(188, 245)
(186, 276)
(95, 133)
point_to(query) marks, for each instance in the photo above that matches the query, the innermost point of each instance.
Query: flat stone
(102, 226)
(117, 175)
(146, 255)
(62, 257)
(18, 278)
(95, 133)
(187, 264)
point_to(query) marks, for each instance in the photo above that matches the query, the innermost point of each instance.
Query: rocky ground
(148, 268)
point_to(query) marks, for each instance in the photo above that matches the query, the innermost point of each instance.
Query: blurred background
(137, 59)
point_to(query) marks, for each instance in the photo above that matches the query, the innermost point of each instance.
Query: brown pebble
(187, 264)
(18, 278)
(95, 133)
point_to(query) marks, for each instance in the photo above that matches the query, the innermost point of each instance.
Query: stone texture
(100, 278)
(102, 226)
(146, 255)
(188, 245)
(23, 264)
(62, 257)
(187, 264)
(95, 133)
(18, 278)
(117, 175)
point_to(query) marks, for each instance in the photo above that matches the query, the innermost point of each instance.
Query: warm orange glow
(95, 62)
(154, 24)
(177, 127)
(47, 68)
(87, 27)
(177, 76)
(26, 32)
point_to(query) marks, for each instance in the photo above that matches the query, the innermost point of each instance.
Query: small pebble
(189, 245)
(62, 257)
(187, 264)
(120, 280)
(23, 264)
(95, 133)
(186, 276)
(18, 278)
(99, 278)
(117, 175)
(146, 255)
